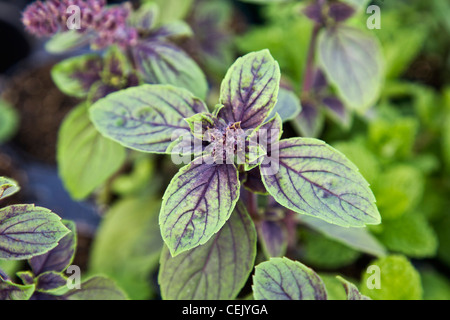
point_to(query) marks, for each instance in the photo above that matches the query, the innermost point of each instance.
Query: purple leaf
(337, 110)
(252, 181)
(145, 118)
(160, 62)
(273, 237)
(50, 281)
(215, 270)
(197, 203)
(340, 11)
(59, 258)
(314, 12)
(250, 89)
(316, 179)
(310, 120)
(284, 279)
(172, 30)
(12, 291)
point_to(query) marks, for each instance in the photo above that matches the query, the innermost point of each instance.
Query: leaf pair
(284, 279)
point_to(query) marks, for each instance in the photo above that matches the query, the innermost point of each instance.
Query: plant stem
(252, 205)
(308, 79)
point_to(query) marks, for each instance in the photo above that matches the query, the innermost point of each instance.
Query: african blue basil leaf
(60, 257)
(288, 105)
(309, 122)
(314, 12)
(340, 11)
(8, 187)
(197, 203)
(66, 41)
(337, 110)
(51, 282)
(27, 231)
(172, 10)
(265, 1)
(9, 121)
(284, 279)
(75, 76)
(352, 291)
(357, 238)
(273, 237)
(251, 180)
(145, 118)
(160, 62)
(215, 270)
(173, 30)
(353, 63)
(128, 244)
(96, 288)
(86, 159)
(144, 18)
(12, 291)
(249, 90)
(317, 180)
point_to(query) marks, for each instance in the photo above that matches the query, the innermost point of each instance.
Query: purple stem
(308, 79)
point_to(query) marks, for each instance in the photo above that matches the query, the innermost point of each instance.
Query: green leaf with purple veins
(96, 288)
(27, 231)
(352, 291)
(146, 118)
(352, 61)
(197, 203)
(12, 291)
(160, 62)
(249, 90)
(216, 270)
(8, 187)
(75, 76)
(317, 180)
(284, 279)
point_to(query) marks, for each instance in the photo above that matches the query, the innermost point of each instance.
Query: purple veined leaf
(317, 180)
(252, 181)
(215, 270)
(337, 110)
(66, 41)
(357, 238)
(340, 11)
(75, 76)
(160, 62)
(197, 203)
(27, 231)
(309, 122)
(51, 282)
(249, 90)
(144, 19)
(273, 237)
(284, 279)
(144, 118)
(172, 30)
(8, 187)
(27, 277)
(353, 63)
(59, 258)
(96, 288)
(288, 105)
(351, 290)
(12, 291)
